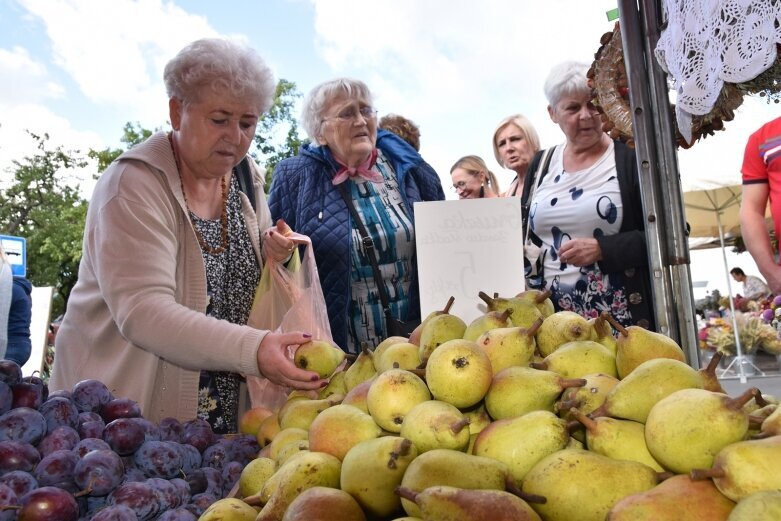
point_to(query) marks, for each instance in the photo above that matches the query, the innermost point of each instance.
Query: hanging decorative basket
(608, 79)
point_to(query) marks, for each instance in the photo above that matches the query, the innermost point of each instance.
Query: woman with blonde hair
(515, 142)
(472, 179)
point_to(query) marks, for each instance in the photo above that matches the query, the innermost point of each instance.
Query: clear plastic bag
(289, 298)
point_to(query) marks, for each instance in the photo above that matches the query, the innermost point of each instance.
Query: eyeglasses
(350, 114)
(459, 186)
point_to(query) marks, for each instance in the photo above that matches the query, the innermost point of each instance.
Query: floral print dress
(586, 203)
(232, 277)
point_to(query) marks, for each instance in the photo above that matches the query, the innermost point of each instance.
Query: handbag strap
(542, 169)
(244, 177)
(367, 244)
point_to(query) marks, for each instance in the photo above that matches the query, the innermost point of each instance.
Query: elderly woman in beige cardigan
(173, 251)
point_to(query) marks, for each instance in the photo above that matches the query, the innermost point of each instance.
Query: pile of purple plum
(85, 454)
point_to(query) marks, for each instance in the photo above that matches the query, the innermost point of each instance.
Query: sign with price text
(467, 246)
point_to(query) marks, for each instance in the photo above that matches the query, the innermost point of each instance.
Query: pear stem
(534, 327)
(573, 426)
(253, 500)
(762, 435)
(566, 383)
(661, 476)
(512, 487)
(505, 315)
(714, 362)
(565, 405)
(540, 298)
(742, 399)
(587, 422)
(599, 411)
(702, 474)
(759, 398)
(350, 357)
(406, 493)
(613, 322)
(458, 426)
(755, 421)
(542, 366)
(449, 304)
(365, 349)
(486, 298)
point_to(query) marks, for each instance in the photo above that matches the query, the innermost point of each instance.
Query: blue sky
(81, 69)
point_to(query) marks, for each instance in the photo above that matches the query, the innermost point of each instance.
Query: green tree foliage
(277, 135)
(44, 206)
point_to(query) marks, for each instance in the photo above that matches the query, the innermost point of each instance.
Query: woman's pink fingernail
(323, 384)
(314, 378)
(307, 335)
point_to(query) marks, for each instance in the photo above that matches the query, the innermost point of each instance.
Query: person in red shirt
(762, 183)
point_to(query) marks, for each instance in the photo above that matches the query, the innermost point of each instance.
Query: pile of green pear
(522, 414)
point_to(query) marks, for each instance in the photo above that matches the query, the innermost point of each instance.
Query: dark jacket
(19, 316)
(625, 252)
(302, 194)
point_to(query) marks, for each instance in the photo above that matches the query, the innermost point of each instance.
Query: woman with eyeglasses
(586, 213)
(381, 176)
(472, 179)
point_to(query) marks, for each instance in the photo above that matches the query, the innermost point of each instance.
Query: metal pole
(659, 176)
(738, 349)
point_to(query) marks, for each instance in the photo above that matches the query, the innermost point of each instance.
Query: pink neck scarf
(364, 171)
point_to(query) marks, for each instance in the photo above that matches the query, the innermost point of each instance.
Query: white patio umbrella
(714, 212)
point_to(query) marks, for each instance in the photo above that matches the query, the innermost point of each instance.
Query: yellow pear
(583, 485)
(338, 428)
(486, 322)
(523, 312)
(336, 385)
(285, 436)
(541, 299)
(319, 356)
(360, 370)
(459, 372)
(675, 499)
(452, 503)
(302, 472)
(603, 332)
(357, 395)
(636, 344)
(759, 506)
(588, 397)
(579, 358)
(392, 395)
(634, 396)
(478, 417)
(522, 441)
(254, 475)
(403, 355)
(268, 429)
(438, 330)
(232, 509)
(688, 428)
(745, 467)
(452, 468)
(324, 504)
(385, 344)
(414, 337)
(301, 413)
(516, 391)
(560, 328)
(372, 469)
(436, 425)
(617, 439)
(509, 346)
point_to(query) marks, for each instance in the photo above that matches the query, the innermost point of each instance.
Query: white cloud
(116, 51)
(24, 78)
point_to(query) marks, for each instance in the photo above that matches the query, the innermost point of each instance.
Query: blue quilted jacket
(302, 194)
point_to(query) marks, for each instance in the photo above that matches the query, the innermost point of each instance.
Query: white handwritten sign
(467, 246)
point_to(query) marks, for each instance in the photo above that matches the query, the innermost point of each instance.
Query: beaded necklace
(205, 246)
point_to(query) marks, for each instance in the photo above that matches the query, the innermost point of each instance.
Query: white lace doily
(708, 42)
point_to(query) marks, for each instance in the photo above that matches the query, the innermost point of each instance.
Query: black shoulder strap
(244, 175)
(368, 246)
